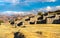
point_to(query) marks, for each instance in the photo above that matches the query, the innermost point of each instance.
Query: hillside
(45, 25)
(30, 31)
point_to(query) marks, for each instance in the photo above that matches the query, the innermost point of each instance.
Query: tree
(39, 13)
(1, 21)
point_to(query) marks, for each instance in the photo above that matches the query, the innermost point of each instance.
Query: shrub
(1, 21)
(18, 35)
(39, 13)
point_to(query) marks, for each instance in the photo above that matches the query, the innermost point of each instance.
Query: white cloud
(49, 8)
(27, 2)
(58, 7)
(46, 9)
(48, 0)
(40, 0)
(14, 2)
(14, 12)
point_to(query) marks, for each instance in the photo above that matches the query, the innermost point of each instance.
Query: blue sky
(29, 5)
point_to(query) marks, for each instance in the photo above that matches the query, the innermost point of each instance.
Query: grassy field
(31, 31)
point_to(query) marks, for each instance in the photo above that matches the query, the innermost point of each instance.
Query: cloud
(40, 0)
(27, 2)
(49, 8)
(58, 7)
(45, 9)
(48, 0)
(15, 2)
(14, 12)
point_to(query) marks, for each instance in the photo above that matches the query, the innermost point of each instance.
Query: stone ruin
(40, 19)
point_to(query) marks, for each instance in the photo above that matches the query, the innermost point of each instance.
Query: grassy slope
(48, 30)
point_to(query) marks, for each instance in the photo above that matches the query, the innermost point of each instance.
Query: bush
(18, 35)
(1, 21)
(39, 13)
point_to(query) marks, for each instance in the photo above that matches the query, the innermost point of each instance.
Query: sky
(21, 6)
